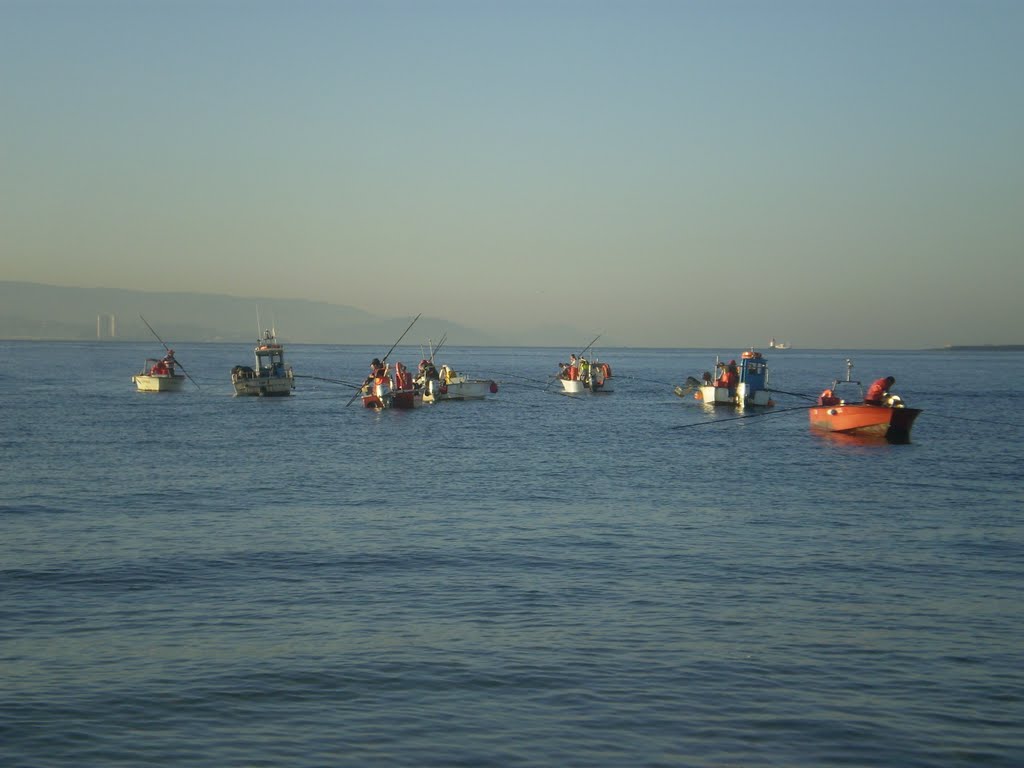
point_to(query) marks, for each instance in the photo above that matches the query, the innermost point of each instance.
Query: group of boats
(271, 376)
(841, 408)
(397, 387)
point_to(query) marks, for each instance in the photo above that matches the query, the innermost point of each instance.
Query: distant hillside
(48, 312)
(982, 348)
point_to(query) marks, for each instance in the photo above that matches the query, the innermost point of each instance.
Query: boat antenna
(849, 368)
(168, 349)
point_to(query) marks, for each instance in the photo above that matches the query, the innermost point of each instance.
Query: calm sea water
(531, 580)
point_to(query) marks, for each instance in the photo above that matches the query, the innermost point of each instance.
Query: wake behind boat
(844, 408)
(271, 377)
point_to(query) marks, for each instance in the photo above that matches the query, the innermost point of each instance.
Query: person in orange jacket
(878, 390)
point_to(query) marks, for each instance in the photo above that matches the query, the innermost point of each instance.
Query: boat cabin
(753, 371)
(270, 359)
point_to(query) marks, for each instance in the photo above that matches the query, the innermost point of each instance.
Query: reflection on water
(528, 579)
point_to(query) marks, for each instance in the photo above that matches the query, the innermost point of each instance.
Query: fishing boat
(582, 375)
(159, 376)
(773, 344)
(385, 390)
(448, 384)
(271, 377)
(842, 409)
(737, 385)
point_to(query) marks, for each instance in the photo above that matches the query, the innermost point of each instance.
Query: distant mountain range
(982, 348)
(48, 312)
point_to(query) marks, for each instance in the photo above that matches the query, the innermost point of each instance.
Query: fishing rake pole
(440, 344)
(332, 381)
(168, 350)
(385, 358)
(589, 345)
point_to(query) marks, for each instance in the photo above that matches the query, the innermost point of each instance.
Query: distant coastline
(981, 347)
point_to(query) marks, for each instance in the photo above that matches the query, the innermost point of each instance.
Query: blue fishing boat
(739, 385)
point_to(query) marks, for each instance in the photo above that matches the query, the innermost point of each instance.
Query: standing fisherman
(169, 361)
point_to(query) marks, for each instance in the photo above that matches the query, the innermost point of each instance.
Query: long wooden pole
(168, 349)
(384, 359)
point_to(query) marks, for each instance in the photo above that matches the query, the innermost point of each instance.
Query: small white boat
(271, 377)
(586, 376)
(773, 344)
(158, 376)
(451, 385)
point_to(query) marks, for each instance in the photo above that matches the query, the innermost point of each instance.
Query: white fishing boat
(773, 344)
(158, 376)
(451, 385)
(583, 375)
(271, 377)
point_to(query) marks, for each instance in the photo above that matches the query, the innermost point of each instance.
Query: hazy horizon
(667, 174)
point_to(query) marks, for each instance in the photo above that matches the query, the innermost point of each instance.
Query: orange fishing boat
(842, 409)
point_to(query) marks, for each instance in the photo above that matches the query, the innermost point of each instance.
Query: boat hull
(711, 395)
(262, 386)
(383, 397)
(466, 389)
(577, 386)
(147, 382)
(892, 424)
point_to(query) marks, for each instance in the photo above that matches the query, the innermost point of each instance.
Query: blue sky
(664, 173)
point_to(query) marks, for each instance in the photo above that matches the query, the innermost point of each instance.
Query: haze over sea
(530, 580)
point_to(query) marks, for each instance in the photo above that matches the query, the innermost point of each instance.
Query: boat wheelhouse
(271, 377)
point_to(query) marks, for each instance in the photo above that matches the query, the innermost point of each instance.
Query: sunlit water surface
(529, 580)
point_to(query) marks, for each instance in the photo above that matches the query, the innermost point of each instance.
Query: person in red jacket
(878, 390)
(730, 378)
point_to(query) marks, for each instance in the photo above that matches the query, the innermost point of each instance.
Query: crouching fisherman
(878, 392)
